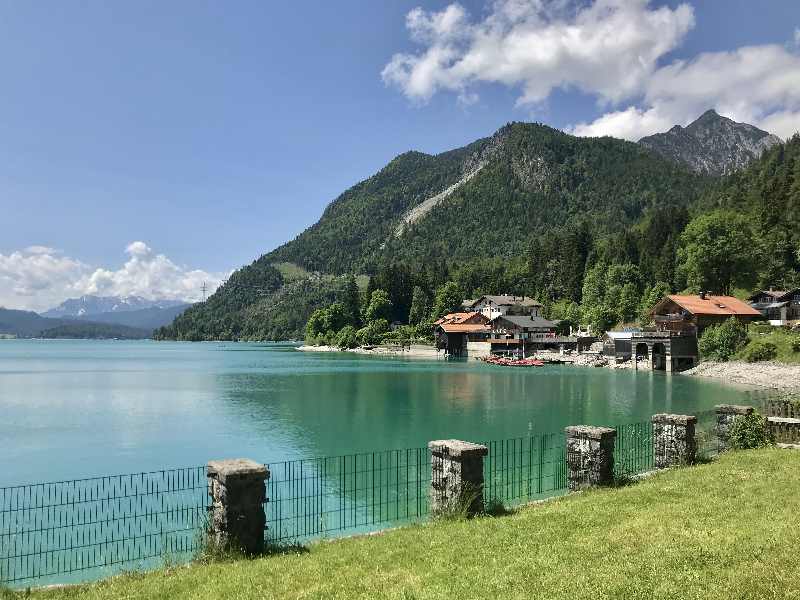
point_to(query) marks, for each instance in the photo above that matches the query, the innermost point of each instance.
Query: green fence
(90, 528)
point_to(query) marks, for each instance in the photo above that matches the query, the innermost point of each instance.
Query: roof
(771, 293)
(506, 300)
(526, 322)
(461, 317)
(721, 306)
(465, 328)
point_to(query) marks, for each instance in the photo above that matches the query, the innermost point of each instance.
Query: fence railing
(90, 528)
(356, 492)
(519, 470)
(97, 524)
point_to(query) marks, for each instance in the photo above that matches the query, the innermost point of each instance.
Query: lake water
(71, 409)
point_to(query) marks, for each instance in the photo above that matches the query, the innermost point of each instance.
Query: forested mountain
(87, 330)
(28, 324)
(593, 227)
(712, 144)
(530, 178)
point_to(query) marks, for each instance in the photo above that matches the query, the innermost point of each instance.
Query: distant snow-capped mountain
(87, 306)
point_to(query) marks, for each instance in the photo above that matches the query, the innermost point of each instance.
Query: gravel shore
(768, 375)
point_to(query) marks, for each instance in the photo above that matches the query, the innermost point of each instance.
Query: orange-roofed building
(687, 312)
(454, 330)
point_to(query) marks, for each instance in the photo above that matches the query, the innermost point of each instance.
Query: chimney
(702, 295)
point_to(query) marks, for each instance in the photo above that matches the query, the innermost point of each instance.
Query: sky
(147, 147)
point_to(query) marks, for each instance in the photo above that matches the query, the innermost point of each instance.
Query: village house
(779, 307)
(695, 312)
(495, 306)
(671, 345)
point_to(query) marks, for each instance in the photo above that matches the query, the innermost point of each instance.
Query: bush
(372, 333)
(720, 342)
(795, 345)
(749, 431)
(761, 327)
(758, 350)
(346, 338)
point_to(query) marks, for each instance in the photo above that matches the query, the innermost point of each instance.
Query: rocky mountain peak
(712, 144)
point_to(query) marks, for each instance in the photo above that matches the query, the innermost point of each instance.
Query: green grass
(291, 271)
(722, 530)
(782, 339)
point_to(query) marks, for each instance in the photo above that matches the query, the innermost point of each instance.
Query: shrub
(758, 350)
(761, 328)
(749, 431)
(372, 333)
(795, 345)
(346, 338)
(720, 342)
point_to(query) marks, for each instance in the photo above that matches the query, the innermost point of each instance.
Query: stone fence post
(674, 443)
(238, 494)
(456, 476)
(726, 415)
(590, 456)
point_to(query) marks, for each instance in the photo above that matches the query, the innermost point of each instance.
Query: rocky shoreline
(767, 375)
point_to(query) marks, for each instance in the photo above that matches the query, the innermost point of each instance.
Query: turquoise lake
(74, 409)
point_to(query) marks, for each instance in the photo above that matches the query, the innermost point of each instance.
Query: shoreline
(412, 352)
(764, 375)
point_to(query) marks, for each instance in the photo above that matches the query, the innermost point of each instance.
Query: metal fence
(519, 470)
(356, 492)
(99, 524)
(90, 528)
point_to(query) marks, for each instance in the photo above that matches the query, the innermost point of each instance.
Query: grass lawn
(728, 529)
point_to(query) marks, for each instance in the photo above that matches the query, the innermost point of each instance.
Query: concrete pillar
(238, 494)
(674, 443)
(726, 414)
(590, 456)
(668, 363)
(456, 477)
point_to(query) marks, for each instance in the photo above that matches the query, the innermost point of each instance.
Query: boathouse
(454, 331)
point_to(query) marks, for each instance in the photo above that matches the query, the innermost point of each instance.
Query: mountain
(145, 318)
(492, 200)
(23, 323)
(488, 199)
(27, 324)
(89, 306)
(712, 145)
(94, 331)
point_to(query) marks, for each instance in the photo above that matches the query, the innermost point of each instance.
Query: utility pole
(204, 288)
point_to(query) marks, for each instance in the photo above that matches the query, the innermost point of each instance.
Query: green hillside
(593, 227)
(534, 178)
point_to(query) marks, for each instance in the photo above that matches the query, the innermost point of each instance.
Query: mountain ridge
(712, 144)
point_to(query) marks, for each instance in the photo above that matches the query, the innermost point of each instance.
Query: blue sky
(208, 133)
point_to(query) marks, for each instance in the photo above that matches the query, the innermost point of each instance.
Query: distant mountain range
(712, 145)
(130, 317)
(86, 306)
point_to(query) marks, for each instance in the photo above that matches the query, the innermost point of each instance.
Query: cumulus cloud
(40, 277)
(614, 50)
(755, 84)
(608, 48)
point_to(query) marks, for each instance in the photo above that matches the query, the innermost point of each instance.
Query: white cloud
(754, 84)
(40, 277)
(608, 48)
(611, 49)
